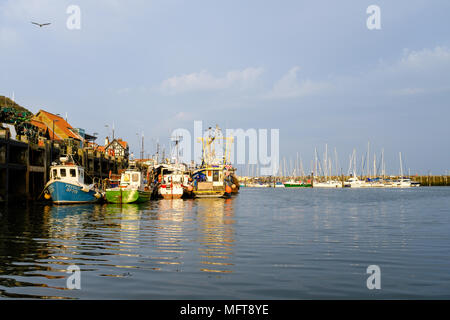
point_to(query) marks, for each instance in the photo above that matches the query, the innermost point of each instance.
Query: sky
(311, 69)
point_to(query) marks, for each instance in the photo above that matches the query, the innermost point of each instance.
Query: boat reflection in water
(158, 241)
(216, 234)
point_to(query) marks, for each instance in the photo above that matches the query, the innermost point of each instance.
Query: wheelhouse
(131, 178)
(70, 173)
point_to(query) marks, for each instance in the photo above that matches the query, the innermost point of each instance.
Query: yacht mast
(401, 165)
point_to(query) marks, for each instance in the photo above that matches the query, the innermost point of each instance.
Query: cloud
(290, 87)
(426, 58)
(204, 81)
(426, 71)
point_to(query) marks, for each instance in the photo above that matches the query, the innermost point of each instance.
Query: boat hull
(303, 185)
(174, 191)
(210, 194)
(127, 196)
(68, 193)
(170, 196)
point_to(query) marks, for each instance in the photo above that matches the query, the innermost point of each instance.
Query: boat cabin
(213, 175)
(131, 178)
(67, 172)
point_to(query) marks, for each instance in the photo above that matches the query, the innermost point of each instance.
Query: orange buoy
(47, 196)
(228, 189)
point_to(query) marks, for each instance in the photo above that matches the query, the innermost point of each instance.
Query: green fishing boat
(118, 195)
(297, 184)
(132, 189)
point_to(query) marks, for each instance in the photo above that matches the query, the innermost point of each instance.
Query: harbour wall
(425, 181)
(25, 166)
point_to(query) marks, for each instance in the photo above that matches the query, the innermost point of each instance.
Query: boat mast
(401, 165)
(326, 162)
(368, 159)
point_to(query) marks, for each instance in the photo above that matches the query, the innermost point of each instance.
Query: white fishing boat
(174, 181)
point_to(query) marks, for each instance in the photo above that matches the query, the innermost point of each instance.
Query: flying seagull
(40, 24)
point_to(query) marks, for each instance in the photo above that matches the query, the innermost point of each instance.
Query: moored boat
(328, 184)
(174, 181)
(67, 186)
(213, 182)
(297, 184)
(133, 188)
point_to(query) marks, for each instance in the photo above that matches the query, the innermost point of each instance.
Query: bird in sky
(40, 24)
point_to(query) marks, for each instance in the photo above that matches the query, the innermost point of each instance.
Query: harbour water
(265, 243)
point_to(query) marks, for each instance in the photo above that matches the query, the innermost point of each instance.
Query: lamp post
(53, 136)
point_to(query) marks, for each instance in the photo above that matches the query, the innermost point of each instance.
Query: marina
(225, 159)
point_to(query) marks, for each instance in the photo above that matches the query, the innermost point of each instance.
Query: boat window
(62, 172)
(55, 173)
(135, 177)
(126, 177)
(73, 173)
(215, 175)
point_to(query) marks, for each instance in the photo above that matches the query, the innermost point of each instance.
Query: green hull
(127, 196)
(288, 185)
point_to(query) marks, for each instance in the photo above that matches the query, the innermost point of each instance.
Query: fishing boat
(279, 184)
(214, 182)
(174, 181)
(216, 177)
(133, 188)
(297, 184)
(67, 186)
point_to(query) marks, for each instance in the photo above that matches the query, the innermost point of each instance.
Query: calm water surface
(261, 244)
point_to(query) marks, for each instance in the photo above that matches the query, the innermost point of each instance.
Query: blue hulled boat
(66, 185)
